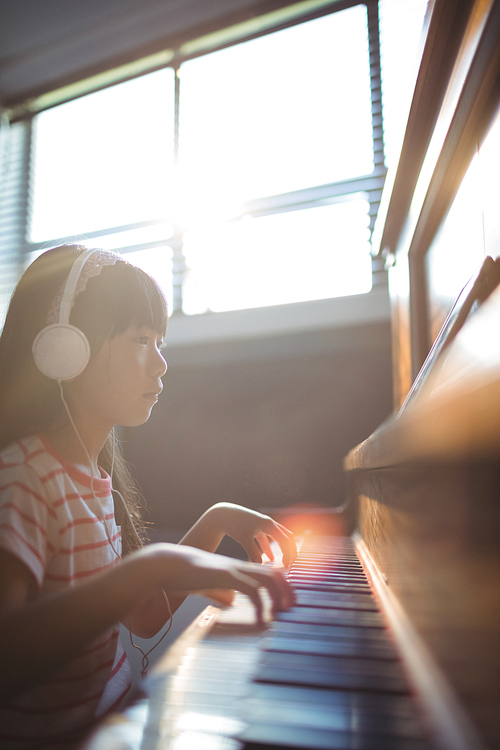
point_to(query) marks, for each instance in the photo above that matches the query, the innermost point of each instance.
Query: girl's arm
(251, 529)
(40, 635)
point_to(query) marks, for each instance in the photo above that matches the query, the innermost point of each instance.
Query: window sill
(239, 325)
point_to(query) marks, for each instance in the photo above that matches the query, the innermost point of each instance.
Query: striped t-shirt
(50, 519)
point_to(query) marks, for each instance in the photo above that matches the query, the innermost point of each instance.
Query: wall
(263, 421)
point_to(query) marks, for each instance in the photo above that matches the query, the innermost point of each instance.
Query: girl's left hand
(253, 531)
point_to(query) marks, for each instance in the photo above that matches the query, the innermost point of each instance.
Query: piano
(394, 643)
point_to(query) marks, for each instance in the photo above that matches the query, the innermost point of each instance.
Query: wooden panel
(428, 481)
(456, 96)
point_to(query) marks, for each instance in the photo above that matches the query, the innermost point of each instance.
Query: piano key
(340, 679)
(329, 561)
(333, 563)
(328, 632)
(328, 578)
(342, 574)
(335, 601)
(331, 616)
(347, 588)
(330, 647)
(355, 666)
(344, 718)
(380, 704)
(262, 736)
(323, 675)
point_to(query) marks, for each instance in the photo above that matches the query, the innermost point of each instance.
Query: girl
(68, 505)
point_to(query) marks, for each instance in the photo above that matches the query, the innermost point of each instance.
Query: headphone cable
(145, 660)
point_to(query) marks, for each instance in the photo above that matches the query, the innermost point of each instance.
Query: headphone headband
(70, 288)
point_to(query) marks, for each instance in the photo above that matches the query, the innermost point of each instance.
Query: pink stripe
(81, 677)
(52, 474)
(76, 576)
(102, 644)
(31, 520)
(86, 547)
(119, 700)
(86, 520)
(26, 517)
(76, 496)
(78, 522)
(31, 492)
(23, 447)
(10, 464)
(118, 666)
(65, 499)
(34, 454)
(11, 529)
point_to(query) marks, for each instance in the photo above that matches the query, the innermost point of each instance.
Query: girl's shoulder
(27, 455)
(21, 451)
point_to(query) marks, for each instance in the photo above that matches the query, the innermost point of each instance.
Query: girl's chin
(136, 421)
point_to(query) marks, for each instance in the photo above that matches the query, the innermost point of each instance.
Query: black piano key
(329, 575)
(328, 578)
(340, 679)
(330, 647)
(380, 704)
(260, 736)
(340, 587)
(337, 600)
(328, 676)
(333, 564)
(354, 666)
(331, 616)
(314, 631)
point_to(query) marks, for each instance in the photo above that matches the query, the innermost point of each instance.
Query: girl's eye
(142, 340)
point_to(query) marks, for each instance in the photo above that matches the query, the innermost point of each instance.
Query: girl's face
(121, 384)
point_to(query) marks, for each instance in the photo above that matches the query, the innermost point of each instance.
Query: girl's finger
(285, 539)
(250, 587)
(221, 596)
(281, 592)
(292, 546)
(263, 542)
(253, 550)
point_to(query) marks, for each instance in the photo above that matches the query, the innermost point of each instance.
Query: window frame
(370, 185)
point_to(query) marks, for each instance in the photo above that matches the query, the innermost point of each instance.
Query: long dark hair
(120, 296)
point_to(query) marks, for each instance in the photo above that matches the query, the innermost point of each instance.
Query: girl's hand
(253, 530)
(182, 568)
(222, 597)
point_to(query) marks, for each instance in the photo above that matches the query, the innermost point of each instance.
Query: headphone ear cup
(61, 351)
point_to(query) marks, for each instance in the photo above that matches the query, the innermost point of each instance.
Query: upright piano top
(456, 414)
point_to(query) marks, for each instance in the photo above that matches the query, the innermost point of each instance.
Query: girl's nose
(162, 365)
(157, 363)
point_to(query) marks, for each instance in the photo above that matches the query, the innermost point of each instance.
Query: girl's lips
(153, 395)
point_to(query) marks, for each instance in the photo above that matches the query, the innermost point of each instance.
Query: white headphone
(61, 351)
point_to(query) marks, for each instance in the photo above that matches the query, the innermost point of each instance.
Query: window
(249, 175)
(98, 162)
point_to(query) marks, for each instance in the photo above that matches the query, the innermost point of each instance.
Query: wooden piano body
(428, 480)
(426, 483)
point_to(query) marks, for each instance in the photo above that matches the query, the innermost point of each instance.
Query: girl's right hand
(191, 569)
